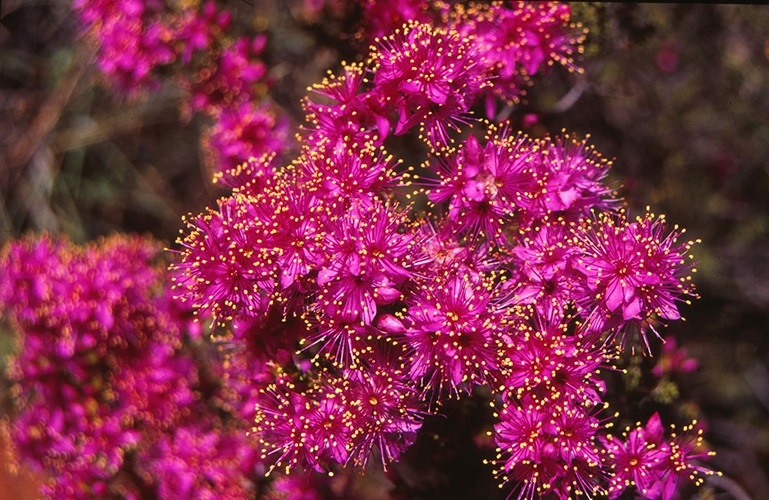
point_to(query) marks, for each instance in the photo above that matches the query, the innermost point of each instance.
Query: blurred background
(678, 95)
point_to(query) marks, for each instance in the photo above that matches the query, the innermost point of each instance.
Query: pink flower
(229, 79)
(633, 271)
(484, 185)
(367, 257)
(198, 30)
(132, 40)
(387, 408)
(545, 275)
(354, 120)
(674, 360)
(653, 464)
(354, 175)
(430, 77)
(542, 362)
(222, 264)
(451, 328)
(549, 448)
(570, 180)
(382, 17)
(244, 132)
(339, 419)
(518, 40)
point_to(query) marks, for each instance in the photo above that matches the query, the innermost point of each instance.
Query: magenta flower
(329, 415)
(47, 282)
(685, 462)
(367, 258)
(386, 409)
(451, 329)
(545, 274)
(549, 449)
(635, 459)
(352, 297)
(519, 434)
(244, 132)
(338, 418)
(230, 79)
(135, 39)
(518, 40)
(132, 40)
(570, 180)
(222, 268)
(354, 175)
(653, 464)
(352, 119)
(517, 179)
(297, 236)
(634, 272)
(301, 429)
(155, 384)
(485, 185)
(430, 77)
(546, 364)
(543, 250)
(340, 338)
(371, 240)
(510, 287)
(264, 247)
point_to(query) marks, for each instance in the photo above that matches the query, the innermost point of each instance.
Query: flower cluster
(644, 458)
(339, 419)
(104, 389)
(133, 40)
(518, 180)
(432, 63)
(350, 294)
(635, 272)
(511, 41)
(526, 278)
(519, 40)
(222, 75)
(430, 77)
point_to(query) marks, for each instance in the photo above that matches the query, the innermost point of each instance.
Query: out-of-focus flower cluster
(140, 43)
(109, 400)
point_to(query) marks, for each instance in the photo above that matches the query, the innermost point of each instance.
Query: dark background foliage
(677, 94)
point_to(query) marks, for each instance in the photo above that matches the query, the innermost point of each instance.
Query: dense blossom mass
(350, 294)
(106, 390)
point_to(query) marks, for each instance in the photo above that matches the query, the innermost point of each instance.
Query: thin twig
(48, 115)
